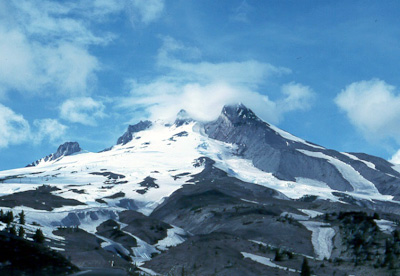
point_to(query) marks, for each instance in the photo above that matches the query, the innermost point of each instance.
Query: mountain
(65, 149)
(132, 129)
(251, 197)
(290, 158)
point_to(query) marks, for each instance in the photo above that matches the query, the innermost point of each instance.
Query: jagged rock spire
(128, 135)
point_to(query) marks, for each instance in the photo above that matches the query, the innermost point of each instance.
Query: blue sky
(326, 71)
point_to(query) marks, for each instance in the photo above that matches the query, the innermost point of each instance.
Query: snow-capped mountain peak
(128, 135)
(182, 118)
(66, 149)
(239, 113)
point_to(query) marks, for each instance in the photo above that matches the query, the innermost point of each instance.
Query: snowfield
(321, 238)
(359, 183)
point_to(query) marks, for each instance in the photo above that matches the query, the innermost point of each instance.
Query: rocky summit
(234, 196)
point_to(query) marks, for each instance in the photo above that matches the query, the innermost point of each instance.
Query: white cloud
(17, 69)
(14, 128)
(298, 97)
(49, 129)
(163, 100)
(203, 88)
(83, 110)
(373, 107)
(247, 73)
(145, 11)
(395, 159)
(44, 45)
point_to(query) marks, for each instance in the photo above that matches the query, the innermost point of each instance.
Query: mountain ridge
(236, 188)
(65, 149)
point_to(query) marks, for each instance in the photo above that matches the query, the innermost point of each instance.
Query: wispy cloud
(241, 12)
(50, 129)
(246, 73)
(145, 11)
(14, 128)
(44, 46)
(203, 88)
(83, 110)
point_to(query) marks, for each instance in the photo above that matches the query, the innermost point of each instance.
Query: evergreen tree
(9, 217)
(278, 255)
(12, 230)
(305, 268)
(22, 217)
(396, 235)
(38, 236)
(21, 232)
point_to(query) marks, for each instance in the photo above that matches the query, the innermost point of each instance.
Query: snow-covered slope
(157, 159)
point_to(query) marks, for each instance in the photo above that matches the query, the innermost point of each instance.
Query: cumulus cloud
(14, 128)
(49, 129)
(297, 97)
(203, 88)
(395, 159)
(372, 106)
(44, 45)
(83, 110)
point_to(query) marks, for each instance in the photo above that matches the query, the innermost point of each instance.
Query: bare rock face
(272, 151)
(128, 135)
(65, 149)
(182, 118)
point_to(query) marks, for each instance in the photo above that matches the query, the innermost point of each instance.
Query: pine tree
(278, 255)
(12, 230)
(22, 217)
(396, 235)
(9, 217)
(21, 232)
(305, 268)
(38, 236)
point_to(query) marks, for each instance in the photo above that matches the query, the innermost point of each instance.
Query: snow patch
(174, 237)
(291, 137)
(266, 261)
(359, 183)
(294, 216)
(321, 238)
(369, 164)
(311, 213)
(386, 226)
